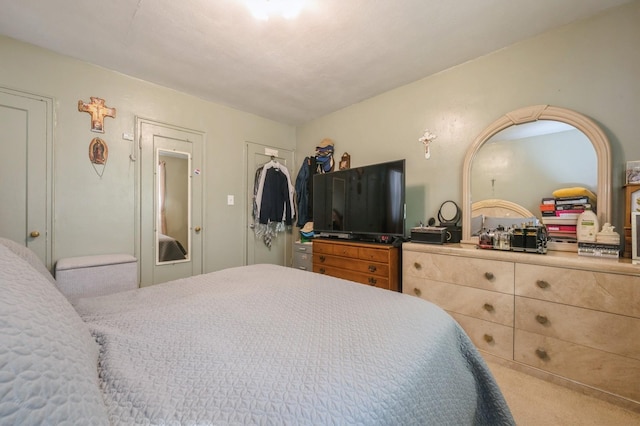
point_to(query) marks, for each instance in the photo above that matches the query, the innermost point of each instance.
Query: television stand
(374, 264)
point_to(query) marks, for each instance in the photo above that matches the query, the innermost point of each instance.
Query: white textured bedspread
(265, 344)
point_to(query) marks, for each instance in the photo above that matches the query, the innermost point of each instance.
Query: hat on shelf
(326, 142)
(307, 229)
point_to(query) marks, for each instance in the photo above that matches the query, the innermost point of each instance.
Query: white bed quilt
(265, 344)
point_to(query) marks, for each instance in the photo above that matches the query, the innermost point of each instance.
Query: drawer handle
(542, 284)
(542, 319)
(304, 268)
(489, 275)
(322, 258)
(372, 268)
(488, 307)
(322, 270)
(372, 281)
(488, 338)
(417, 265)
(542, 354)
(417, 291)
(302, 249)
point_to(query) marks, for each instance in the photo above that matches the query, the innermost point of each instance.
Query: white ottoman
(88, 276)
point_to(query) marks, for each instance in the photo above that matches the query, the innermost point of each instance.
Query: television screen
(363, 202)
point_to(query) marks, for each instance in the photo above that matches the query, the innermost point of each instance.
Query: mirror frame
(528, 114)
(187, 156)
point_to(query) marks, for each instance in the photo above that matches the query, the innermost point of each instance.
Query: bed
(491, 213)
(170, 249)
(260, 344)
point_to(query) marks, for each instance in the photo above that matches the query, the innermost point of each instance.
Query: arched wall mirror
(173, 207)
(527, 154)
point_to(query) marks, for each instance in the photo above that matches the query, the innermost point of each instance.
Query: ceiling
(336, 53)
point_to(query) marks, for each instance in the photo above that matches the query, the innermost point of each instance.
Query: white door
(25, 171)
(258, 250)
(170, 180)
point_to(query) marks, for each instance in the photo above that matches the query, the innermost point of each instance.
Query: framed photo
(345, 161)
(634, 204)
(635, 235)
(633, 172)
(98, 151)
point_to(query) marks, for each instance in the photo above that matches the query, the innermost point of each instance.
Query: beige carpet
(536, 402)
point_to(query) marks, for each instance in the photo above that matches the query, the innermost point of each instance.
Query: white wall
(592, 66)
(94, 215)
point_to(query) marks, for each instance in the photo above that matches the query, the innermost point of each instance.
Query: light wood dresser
(570, 319)
(367, 263)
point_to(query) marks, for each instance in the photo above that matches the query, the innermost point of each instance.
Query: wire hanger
(275, 162)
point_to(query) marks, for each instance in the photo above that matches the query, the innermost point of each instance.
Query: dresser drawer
(359, 277)
(474, 302)
(595, 290)
(337, 249)
(374, 255)
(496, 339)
(302, 247)
(487, 274)
(613, 333)
(302, 261)
(373, 268)
(609, 372)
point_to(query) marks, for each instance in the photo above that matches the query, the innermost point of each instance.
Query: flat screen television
(364, 203)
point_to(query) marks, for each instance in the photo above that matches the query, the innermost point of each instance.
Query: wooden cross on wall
(98, 111)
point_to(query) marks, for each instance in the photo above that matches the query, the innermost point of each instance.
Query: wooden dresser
(367, 263)
(566, 318)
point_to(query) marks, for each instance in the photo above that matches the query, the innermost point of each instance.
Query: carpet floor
(537, 402)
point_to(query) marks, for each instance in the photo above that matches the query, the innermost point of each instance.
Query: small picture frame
(98, 151)
(635, 235)
(345, 162)
(633, 172)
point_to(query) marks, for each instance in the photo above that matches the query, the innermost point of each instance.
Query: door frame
(49, 184)
(138, 210)
(289, 235)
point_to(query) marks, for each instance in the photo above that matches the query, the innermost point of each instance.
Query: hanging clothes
(304, 191)
(274, 207)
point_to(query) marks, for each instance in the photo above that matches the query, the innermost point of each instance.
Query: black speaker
(453, 234)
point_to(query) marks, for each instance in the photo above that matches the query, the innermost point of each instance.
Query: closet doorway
(26, 134)
(170, 202)
(258, 250)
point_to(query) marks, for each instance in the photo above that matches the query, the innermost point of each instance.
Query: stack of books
(560, 216)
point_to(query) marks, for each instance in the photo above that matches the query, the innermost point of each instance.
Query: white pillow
(476, 224)
(49, 359)
(28, 255)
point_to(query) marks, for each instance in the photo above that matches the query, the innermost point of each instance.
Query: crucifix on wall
(98, 111)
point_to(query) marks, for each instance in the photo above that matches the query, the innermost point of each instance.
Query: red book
(562, 228)
(568, 212)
